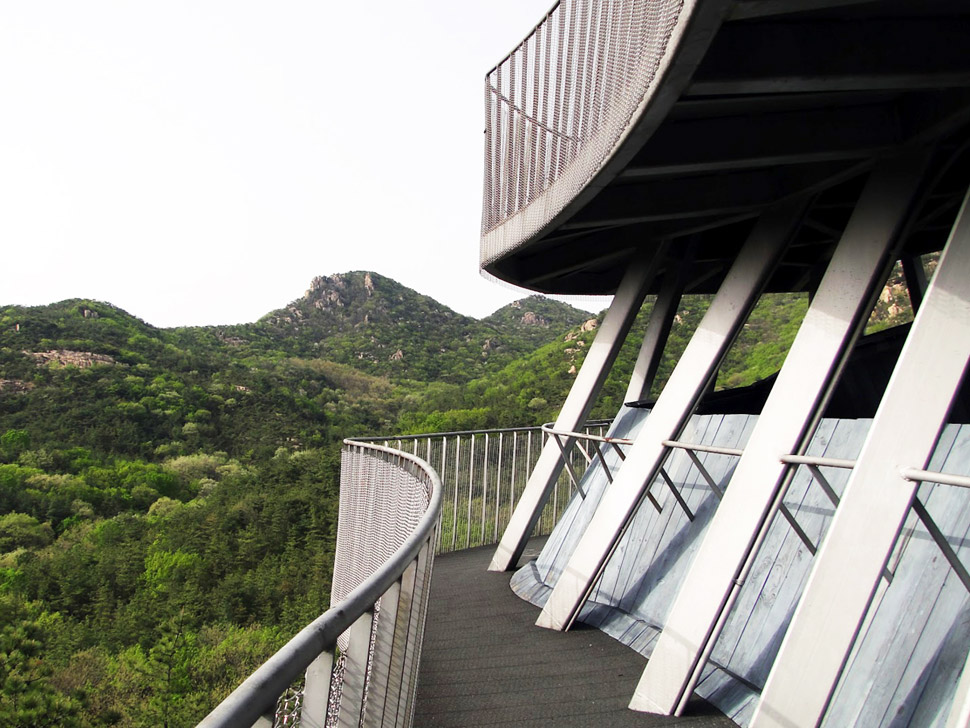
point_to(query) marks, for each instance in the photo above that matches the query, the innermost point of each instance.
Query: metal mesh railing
(380, 506)
(390, 505)
(557, 105)
(483, 474)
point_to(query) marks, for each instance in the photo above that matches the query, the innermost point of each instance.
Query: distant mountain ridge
(361, 319)
(345, 358)
(379, 326)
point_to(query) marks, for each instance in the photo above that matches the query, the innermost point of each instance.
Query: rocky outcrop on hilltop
(382, 327)
(65, 358)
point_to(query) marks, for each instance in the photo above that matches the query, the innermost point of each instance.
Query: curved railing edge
(582, 180)
(258, 693)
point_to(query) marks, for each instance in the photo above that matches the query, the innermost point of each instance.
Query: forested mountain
(168, 496)
(380, 327)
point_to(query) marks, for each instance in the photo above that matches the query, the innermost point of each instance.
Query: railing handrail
(259, 691)
(525, 39)
(454, 433)
(550, 429)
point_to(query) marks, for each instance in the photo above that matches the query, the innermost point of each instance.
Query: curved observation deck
(617, 126)
(735, 147)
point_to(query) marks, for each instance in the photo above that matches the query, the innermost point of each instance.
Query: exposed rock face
(231, 340)
(531, 319)
(80, 359)
(15, 386)
(590, 325)
(325, 291)
(397, 355)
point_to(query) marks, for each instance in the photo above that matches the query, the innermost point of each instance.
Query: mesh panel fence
(556, 107)
(382, 499)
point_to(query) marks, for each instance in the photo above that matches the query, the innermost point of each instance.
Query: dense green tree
(168, 497)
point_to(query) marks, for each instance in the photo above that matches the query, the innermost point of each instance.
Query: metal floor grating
(485, 663)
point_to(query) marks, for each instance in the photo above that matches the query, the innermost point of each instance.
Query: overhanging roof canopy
(700, 117)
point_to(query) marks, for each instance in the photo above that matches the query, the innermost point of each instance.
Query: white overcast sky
(200, 162)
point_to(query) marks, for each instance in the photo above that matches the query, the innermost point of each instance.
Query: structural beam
(696, 146)
(602, 353)
(680, 198)
(877, 497)
(812, 56)
(746, 9)
(696, 368)
(834, 320)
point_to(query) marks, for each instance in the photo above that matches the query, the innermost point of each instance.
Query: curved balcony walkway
(485, 663)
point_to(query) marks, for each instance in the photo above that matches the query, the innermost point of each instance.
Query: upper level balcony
(617, 125)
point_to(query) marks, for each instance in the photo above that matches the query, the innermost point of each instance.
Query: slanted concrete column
(611, 335)
(737, 296)
(877, 497)
(834, 319)
(960, 710)
(655, 337)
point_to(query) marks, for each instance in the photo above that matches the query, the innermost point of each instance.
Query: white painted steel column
(399, 645)
(382, 667)
(698, 365)
(833, 322)
(602, 353)
(316, 691)
(655, 338)
(355, 672)
(960, 710)
(415, 636)
(877, 498)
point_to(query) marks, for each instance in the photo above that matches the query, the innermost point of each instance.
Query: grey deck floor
(485, 663)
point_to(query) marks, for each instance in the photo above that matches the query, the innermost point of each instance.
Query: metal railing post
(356, 657)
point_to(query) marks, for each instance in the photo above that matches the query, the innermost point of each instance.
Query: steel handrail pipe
(929, 476)
(615, 442)
(454, 433)
(694, 447)
(259, 692)
(818, 460)
(549, 429)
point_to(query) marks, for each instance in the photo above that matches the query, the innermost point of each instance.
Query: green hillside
(168, 497)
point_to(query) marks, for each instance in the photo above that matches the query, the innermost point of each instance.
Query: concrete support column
(834, 320)
(960, 710)
(658, 329)
(737, 296)
(877, 497)
(616, 325)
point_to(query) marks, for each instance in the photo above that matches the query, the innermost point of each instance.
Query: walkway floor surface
(485, 663)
